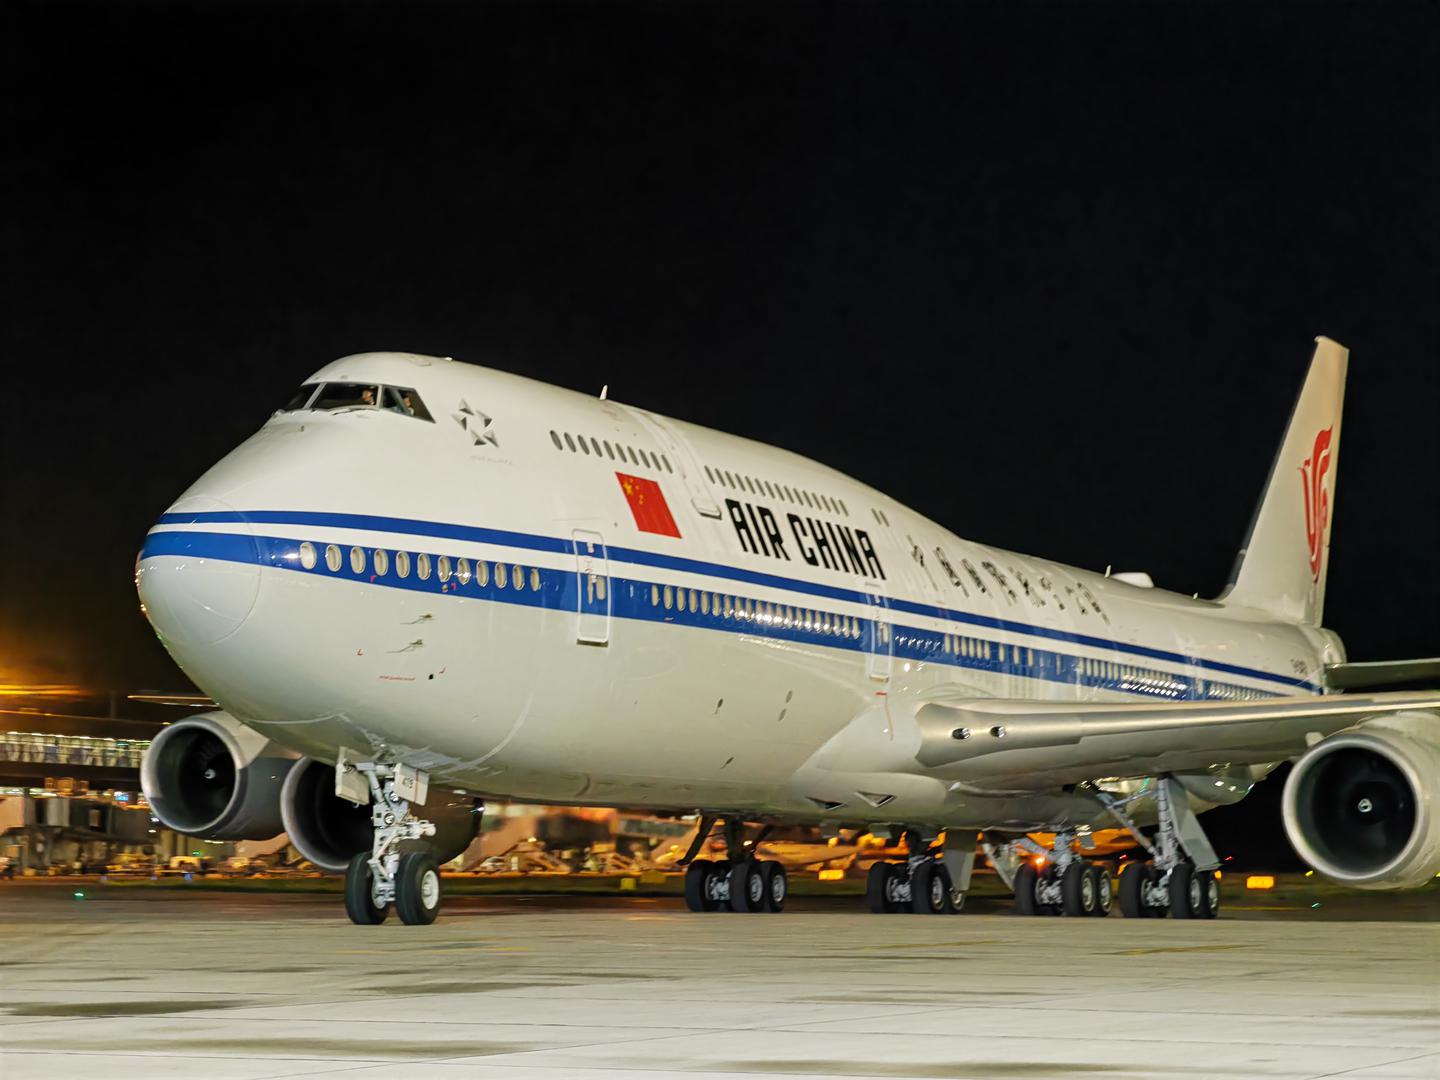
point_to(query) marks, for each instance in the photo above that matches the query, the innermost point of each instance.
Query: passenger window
(535, 583)
(482, 573)
(332, 557)
(382, 563)
(357, 560)
(346, 396)
(462, 571)
(669, 597)
(402, 564)
(442, 568)
(517, 577)
(556, 440)
(694, 601)
(422, 566)
(569, 442)
(654, 595)
(307, 555)
(500, 581)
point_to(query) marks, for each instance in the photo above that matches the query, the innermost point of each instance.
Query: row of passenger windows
(381, 563)
(798, 496)
(329, 396)
(582, 444)
(762, 612)
(980, 649)
(671, 598)
(1231, 692)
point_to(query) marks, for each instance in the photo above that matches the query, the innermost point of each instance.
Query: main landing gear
(921, 884)
(1177, 879)
(1059, 882)
(410, 880)
(1180, 877)
(739, 882)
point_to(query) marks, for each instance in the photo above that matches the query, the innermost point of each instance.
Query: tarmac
(127, 981)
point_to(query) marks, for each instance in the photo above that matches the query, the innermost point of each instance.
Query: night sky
(1047, 273)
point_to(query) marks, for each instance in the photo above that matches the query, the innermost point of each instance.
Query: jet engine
(1360, 806)
(213, 777)
(330, 830)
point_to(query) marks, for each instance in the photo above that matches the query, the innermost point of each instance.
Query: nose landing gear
(386, 876)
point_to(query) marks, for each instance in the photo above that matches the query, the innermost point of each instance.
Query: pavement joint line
(1379, 1065)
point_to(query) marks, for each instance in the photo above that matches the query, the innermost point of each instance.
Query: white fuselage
(610, 665)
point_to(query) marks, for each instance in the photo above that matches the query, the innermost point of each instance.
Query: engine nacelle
(330, 830)
(1360, 806)
(213, 777)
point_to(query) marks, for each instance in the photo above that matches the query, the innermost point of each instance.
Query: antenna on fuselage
(604, 390)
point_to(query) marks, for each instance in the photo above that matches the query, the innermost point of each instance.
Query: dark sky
(1047, 273)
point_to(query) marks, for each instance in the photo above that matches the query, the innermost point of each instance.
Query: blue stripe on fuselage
(557, 545)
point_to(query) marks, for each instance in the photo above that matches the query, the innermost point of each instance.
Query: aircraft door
(592, 579)
(879, 634)
(685, 461)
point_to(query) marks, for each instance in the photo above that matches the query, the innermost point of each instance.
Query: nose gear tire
(417, 888)
(359, 893)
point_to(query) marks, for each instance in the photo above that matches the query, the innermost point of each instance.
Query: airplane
(424, 584)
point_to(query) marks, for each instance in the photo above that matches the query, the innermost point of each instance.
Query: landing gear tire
(1133, 880)
(929, 889)
(1078, 889)
(877, 889)
(360, 893)
(697, 882)
(747, 886)
(1027, 879)
(1209, 894)
(1185, 892)
(1104, 891)
(777, 885)
(950, 905)
(417, 888)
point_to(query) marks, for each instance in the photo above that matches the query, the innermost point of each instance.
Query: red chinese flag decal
(647, 503)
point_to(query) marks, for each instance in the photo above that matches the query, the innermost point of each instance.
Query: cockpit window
(397, 399)
(346, 396)
(302, 397)
(405, 401)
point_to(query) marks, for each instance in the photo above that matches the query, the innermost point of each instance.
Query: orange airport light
(1259, 881)
(832, 875)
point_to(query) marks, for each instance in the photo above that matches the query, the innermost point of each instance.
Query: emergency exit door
(592, 580)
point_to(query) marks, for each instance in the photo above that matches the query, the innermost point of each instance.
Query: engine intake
(211, 776)
(330, 831)
(1358, 808)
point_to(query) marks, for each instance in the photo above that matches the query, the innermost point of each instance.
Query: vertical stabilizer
(1282, 566)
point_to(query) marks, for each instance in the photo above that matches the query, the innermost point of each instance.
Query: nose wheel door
(592, 579)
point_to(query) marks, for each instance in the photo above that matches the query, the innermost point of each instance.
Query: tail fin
(1282, 566)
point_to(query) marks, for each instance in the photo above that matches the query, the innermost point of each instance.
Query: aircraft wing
(1041, 744)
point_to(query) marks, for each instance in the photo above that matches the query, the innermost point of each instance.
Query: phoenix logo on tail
(1317, 502)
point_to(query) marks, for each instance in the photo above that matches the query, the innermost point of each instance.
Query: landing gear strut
(922, 884)
(741, 882)
(385, 876)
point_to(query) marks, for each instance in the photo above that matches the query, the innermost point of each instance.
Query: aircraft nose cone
(198, 579)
